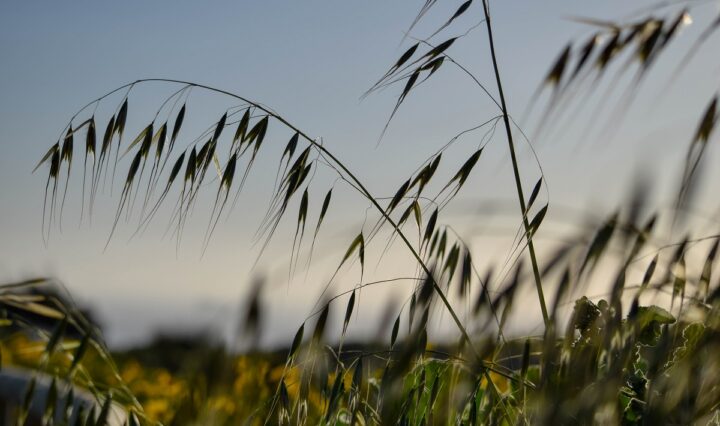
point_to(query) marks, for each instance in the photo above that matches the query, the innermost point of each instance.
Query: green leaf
(585, 53)
(50, 403)
(27, 400)
(649, 45)
(159, 140)
(349, 311)
(357, 244)
(406, 56)
(142, 137)
(53, 149)
(69, 401)
(404, 217)
(302, 213)
(418, 213)
(537, 221)
(426, 174)
(525, 359)
(707, 124)
(202, 155)
(706, 275)
(102, 419)
(584, 315)
(229, 172)
(90, 138)
(460, 10)
(558, 68)
(649, 273)
(134, 166)
(440, 48)
(284, 396)
(691, 335)
(452, 261)
(462, 174)
(442, 244)
(321, 323)
(178, 124)
(600, 242)
(67, 148)
(430, 227)
(133, 420)
(680, 279)
(433, 66)
(395, 330)
(357, 375)
(611, 49)
(291, 146)
(399, 194)
(297, 340)
(649, 322)
(147, 141)
(242, 128)
(190, 168)
(323, 210)
(408, 86)
(176, 168)
(121, 118)
(257, 133)
(80, 352)
(411, 311)
(534, 194)
(655, 313)
(219, 128)
(337, 390)
(56, 335)
(465, 274)
(107, 137)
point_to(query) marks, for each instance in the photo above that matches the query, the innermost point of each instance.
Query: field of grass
(612, 359)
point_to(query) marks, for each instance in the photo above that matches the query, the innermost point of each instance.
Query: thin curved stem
(363, 190)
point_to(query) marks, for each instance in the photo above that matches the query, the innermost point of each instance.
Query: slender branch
(364, 191)
(516, 169)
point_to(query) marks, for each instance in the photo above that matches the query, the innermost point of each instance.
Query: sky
(310, 61)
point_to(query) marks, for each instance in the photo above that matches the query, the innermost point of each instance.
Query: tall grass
(611, 362)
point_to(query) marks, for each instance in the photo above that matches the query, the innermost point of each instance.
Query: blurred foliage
(647, 368)
(611, 362)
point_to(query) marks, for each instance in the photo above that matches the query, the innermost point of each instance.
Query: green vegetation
(613, 361)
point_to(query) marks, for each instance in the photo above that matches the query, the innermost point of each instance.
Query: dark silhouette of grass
(610, 363)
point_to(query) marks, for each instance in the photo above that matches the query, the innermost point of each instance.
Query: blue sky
(310, 61)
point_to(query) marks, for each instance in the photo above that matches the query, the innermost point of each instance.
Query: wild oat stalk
(605, 366)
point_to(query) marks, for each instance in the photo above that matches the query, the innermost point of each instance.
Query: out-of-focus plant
(66, 374)
(612, 363)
